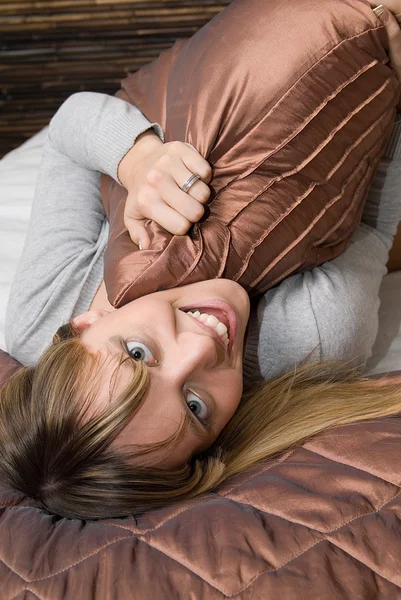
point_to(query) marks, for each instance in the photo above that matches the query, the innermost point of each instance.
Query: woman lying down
(133, 408)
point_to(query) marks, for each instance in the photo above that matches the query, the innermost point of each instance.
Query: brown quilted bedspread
(322, 523)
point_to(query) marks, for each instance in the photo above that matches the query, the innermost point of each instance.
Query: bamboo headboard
(52, 48)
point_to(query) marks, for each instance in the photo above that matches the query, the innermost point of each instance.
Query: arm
(96, 131)
(62, 262)
(331, 312)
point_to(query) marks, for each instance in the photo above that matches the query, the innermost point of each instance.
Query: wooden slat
(29, 7)
(50, 49)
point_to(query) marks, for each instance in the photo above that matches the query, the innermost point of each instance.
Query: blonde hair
(51, 452)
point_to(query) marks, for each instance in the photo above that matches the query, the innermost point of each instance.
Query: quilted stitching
(376, 506)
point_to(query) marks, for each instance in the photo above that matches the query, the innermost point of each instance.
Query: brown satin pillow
(292, 103)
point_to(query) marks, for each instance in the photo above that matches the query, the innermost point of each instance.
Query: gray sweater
(328, 313)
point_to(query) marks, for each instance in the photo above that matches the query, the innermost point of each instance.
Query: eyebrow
(114, 344)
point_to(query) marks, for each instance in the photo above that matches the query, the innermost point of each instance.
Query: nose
(196, 353)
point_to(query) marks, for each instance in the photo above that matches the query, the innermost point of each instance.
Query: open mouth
(212, 320)
(218, 316)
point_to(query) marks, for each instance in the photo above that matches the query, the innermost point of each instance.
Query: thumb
(388, 20)
(394, 36)
(137, 232)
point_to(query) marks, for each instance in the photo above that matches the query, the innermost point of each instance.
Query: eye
(197, 406)
(140, 352)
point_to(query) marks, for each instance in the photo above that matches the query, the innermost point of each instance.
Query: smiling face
(191, 338)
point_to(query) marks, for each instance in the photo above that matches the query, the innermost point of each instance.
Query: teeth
(212, 321)
(221, 328)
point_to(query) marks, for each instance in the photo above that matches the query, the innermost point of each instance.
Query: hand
(153, 172)
(392, 26)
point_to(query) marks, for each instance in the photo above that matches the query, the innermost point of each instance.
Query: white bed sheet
(18, 173)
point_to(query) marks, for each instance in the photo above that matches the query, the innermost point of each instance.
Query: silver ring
(190, 182)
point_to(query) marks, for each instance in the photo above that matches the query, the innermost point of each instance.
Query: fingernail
(140, 246)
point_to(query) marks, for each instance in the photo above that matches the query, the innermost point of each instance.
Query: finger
(198, 190)
(174, 167)
(175, 198)
(137, 232)
(150, 205)
(394, 35)
(168, 218)
(197, 164)
(392, 5)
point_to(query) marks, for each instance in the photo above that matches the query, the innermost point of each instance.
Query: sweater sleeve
(62, 262)
(96, 131)
(331, 312)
